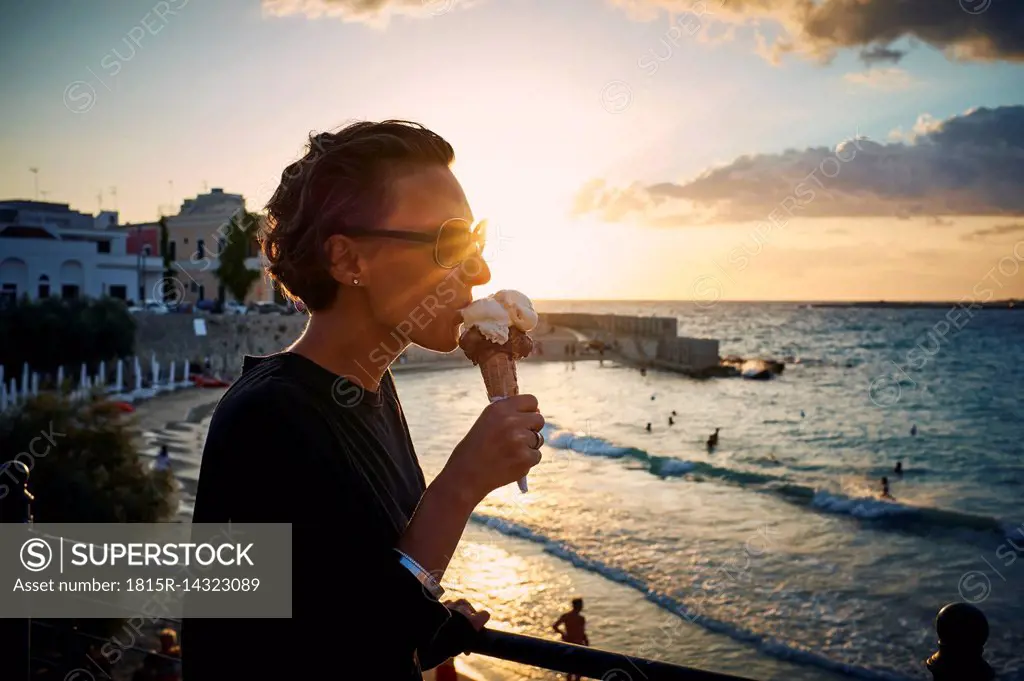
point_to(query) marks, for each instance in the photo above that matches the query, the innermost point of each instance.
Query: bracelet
(422, 576)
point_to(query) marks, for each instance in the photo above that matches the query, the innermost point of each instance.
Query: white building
(47, 249)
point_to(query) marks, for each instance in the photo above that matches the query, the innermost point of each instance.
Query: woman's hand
(478, 618)
(500, 448)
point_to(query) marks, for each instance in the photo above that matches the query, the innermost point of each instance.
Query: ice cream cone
(499, 372)
(495, 337)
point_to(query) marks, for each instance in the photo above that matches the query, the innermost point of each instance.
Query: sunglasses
(455, 241)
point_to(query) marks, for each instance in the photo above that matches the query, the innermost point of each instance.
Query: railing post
(15, 507)
(963, 631)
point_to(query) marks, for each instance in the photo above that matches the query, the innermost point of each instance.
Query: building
(47, 249)
(197, 234)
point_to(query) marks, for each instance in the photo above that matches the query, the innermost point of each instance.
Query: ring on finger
(540, 440)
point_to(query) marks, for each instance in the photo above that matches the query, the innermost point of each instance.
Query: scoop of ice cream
(489, 317)
(520, 310)
(479, 349)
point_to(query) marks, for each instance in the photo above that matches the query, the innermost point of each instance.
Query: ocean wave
(885, 513)
(763, 643)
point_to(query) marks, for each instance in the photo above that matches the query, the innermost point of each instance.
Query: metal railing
(962, 633)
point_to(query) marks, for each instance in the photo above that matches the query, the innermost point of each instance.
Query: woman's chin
(438, 342)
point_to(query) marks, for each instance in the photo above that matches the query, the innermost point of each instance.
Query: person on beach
(713, 440)
(372, 232)
(899, 468)
(163, 460)
(573, 628)
(885, 488)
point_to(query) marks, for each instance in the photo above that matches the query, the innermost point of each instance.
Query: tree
(51, 331)
(83, 463)
(231, 270)
(83, 468)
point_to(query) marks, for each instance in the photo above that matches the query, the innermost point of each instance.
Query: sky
(621, 149)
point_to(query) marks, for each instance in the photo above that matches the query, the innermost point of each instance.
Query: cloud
(881, 79)
(998, 230)
(965, 165)
(815, 29)
(820, 29)
(373, 12)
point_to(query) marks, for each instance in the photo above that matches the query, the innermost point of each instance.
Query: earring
(355, 282)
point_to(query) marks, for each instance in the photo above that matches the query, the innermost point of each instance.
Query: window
(174, 250)
(68, 291)
(44, 286)
(186, 241)
(9, 293)
(200, 250)
(119, 292)
(103, 247)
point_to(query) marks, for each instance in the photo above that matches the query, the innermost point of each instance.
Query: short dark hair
(577, 603)
(343, 180)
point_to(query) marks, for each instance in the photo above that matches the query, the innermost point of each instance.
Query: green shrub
(84, 464)
(54, 331)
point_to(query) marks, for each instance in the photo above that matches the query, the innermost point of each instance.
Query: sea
(771, 556)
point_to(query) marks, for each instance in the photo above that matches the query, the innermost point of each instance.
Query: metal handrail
(588, 662)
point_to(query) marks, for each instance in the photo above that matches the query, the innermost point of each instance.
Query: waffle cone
(499, 372)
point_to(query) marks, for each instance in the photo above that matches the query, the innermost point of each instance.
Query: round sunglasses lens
(455, 243)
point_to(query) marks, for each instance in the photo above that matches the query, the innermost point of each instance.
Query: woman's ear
(346, 264)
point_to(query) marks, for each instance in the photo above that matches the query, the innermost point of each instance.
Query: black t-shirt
(291, 442)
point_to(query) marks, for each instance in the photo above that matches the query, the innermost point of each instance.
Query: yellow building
(196, 236)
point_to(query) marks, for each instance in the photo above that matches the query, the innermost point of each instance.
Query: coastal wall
(649, 340)
(645, 340)
(619, 325)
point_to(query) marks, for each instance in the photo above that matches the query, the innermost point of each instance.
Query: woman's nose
(475, 271)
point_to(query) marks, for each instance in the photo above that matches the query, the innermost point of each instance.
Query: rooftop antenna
(113, 194)
(99, 201)
(205, 187)
(35, 172)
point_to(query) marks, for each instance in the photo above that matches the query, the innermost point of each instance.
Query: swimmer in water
(913, 429)
(899, 468)
(648, 427)
(713, 439)
(885, 488)
(670, 421)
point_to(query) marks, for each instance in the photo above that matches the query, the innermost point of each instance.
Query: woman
(373, 234)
